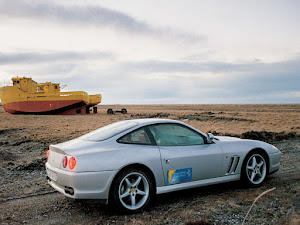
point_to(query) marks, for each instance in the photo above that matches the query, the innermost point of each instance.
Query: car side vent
(234, 161)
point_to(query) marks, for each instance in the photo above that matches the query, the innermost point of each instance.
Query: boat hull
(65, 107)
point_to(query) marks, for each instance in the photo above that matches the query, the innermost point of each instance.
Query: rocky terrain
(26, 198)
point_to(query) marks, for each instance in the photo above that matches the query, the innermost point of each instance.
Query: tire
(254, 169)
(124, 111)
(132, 191)
(110, 112)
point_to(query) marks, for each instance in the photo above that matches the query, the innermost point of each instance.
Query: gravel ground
(26, 198)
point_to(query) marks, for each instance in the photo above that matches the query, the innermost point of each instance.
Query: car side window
(175, 135)
(139, 136)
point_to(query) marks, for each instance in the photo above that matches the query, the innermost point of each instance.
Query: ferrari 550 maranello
(128, 162)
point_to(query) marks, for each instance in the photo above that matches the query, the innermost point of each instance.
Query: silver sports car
(128, 162)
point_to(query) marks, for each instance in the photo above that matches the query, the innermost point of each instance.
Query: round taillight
(48, 153)
(72, 163)
(65, 161)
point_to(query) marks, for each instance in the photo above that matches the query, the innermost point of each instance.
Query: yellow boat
(29, 97)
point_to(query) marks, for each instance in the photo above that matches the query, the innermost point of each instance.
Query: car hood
(227, 138)
(229, 143)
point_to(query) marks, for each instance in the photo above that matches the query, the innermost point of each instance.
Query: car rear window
(108, 131)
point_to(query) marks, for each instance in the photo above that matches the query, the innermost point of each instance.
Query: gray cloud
(129, 82)
(90, 15)
(36, 57)
(254, 82)
(216, 67)
(246, 83)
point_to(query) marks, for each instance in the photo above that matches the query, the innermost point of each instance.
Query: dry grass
(233, 119)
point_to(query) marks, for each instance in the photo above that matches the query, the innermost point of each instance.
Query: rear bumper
(274, 162)
(85, 185)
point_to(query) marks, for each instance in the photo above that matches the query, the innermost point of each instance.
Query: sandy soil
(25, 196)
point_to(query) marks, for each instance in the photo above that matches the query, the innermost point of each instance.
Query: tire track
(27, 196)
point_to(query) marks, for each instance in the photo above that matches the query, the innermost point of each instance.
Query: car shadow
(189, 195)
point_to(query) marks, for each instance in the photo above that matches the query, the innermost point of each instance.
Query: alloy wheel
(256, 169)
(134, 191)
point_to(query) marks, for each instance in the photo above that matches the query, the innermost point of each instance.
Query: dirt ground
(26, 198)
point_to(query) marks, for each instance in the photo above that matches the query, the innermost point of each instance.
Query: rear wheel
(132, 191)
(254, 169)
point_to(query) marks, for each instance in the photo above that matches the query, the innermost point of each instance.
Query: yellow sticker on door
(179, 176)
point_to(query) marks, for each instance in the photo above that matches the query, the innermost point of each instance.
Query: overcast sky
(157, 52)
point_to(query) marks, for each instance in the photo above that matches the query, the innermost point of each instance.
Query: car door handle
(167, 161)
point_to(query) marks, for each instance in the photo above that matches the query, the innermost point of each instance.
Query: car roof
(148, 121)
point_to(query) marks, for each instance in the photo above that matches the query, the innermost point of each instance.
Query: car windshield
(108, 131)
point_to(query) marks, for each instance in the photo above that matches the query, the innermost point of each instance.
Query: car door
(185, 156)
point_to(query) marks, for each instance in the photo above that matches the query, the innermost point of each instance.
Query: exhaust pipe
(69, 190)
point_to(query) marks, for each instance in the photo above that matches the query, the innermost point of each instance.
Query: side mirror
(210, 138)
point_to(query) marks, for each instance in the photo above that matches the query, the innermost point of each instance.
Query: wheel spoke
(259, 173)
(132, 200)
(250, 167)
(139, 192)
(260, 164)
(125, 194)
(252, 176)
(136, 183)
(128, 183)
(254, 162)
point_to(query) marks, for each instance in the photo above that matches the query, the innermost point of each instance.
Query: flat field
(25, 196)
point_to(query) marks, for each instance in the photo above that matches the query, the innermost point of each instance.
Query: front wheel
(254, 169)
(110, 112)
(132, 191)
